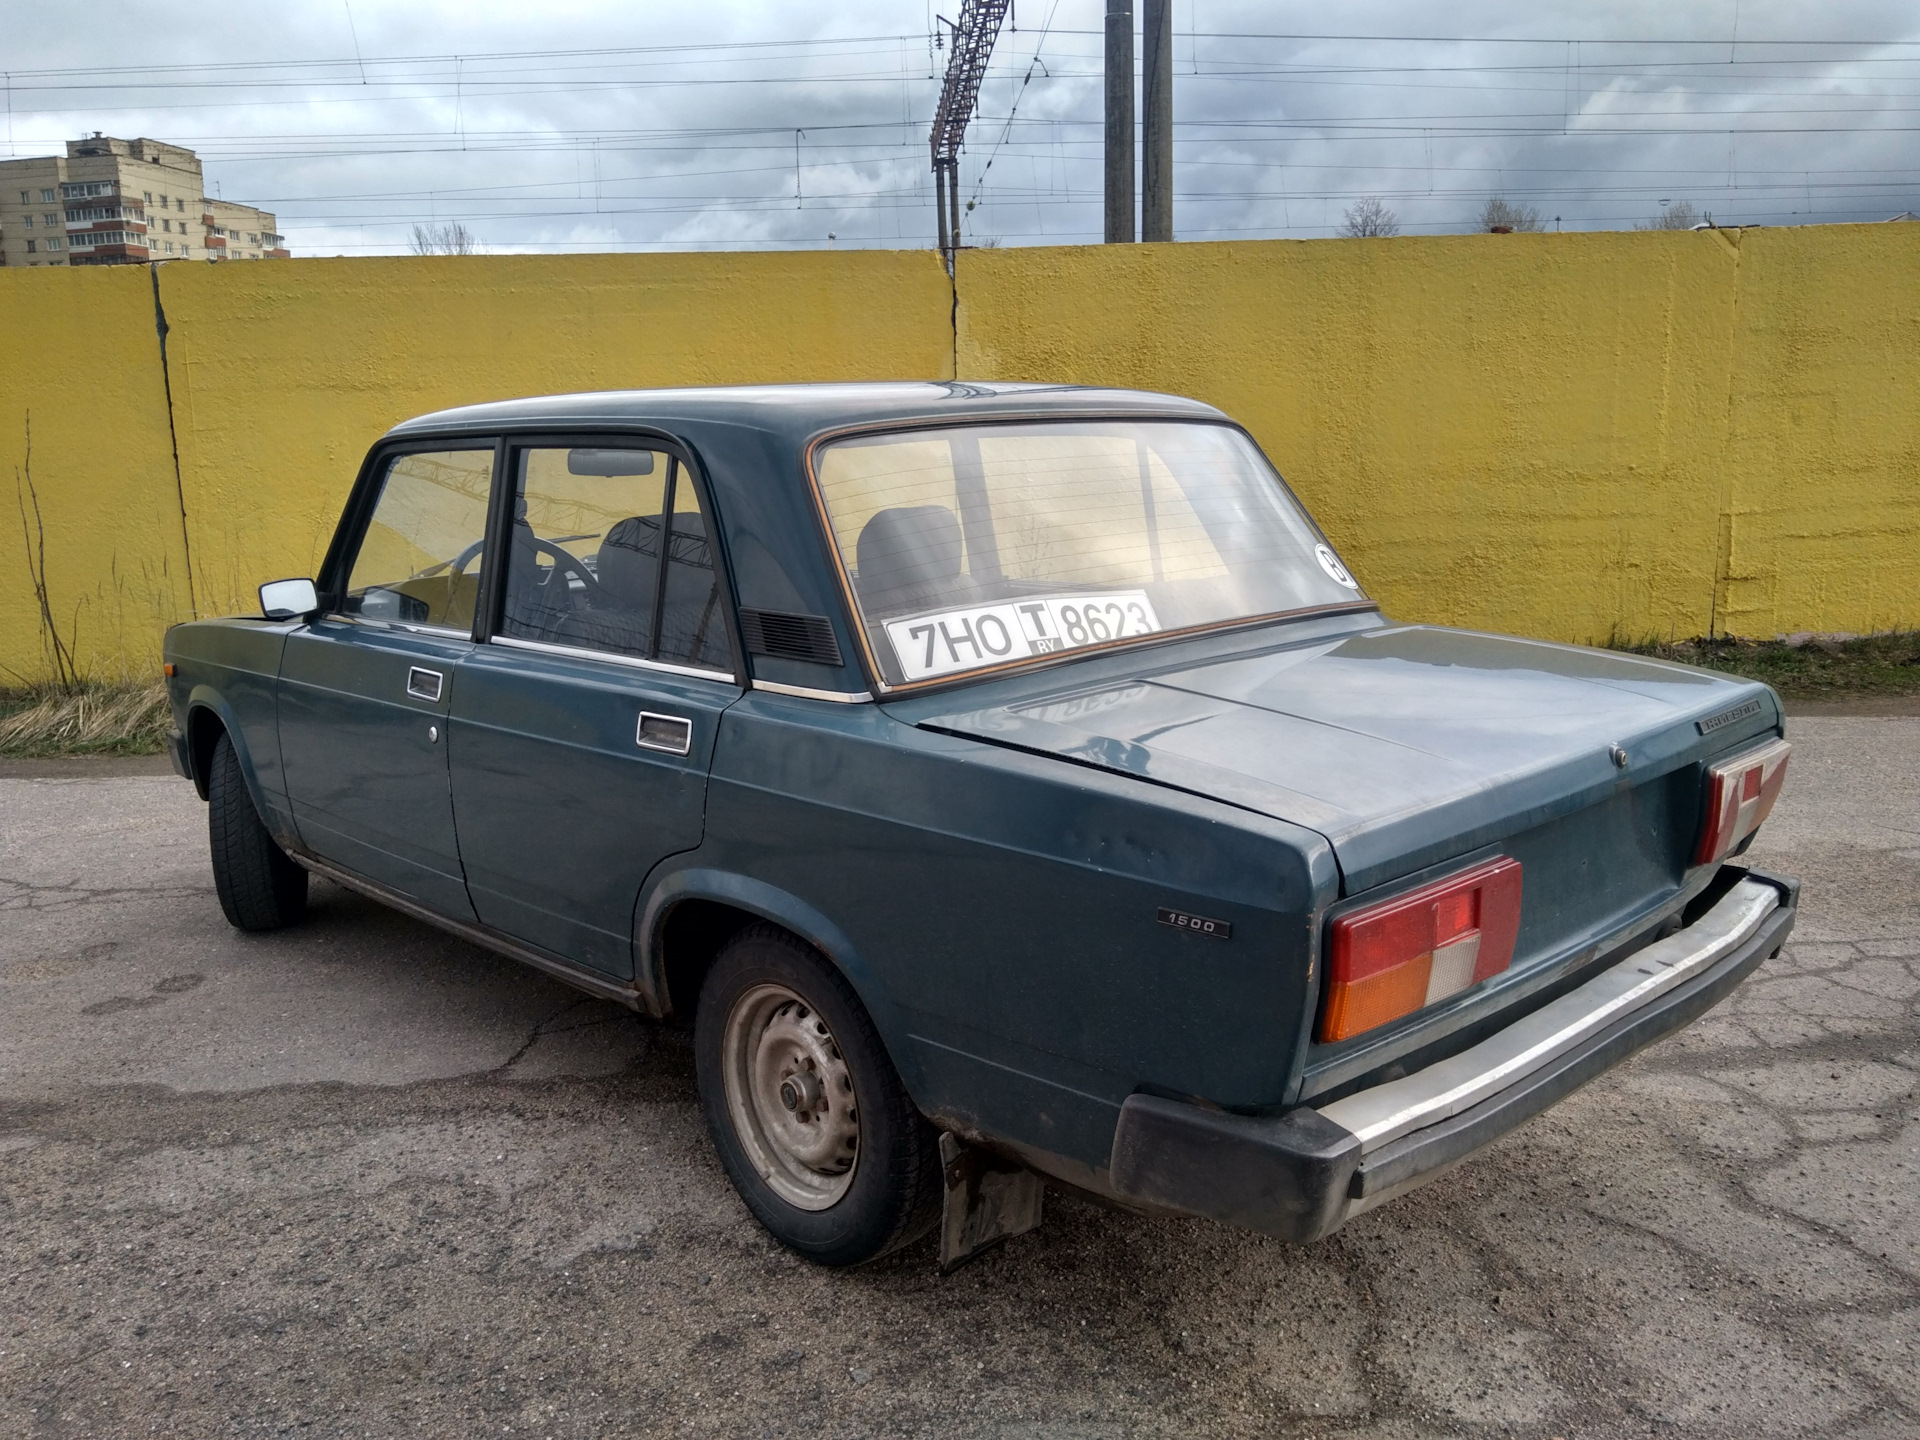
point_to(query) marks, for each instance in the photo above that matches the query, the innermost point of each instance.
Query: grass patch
(91, 718)
(1815, 668)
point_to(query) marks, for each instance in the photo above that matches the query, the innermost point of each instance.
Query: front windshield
(983, 545)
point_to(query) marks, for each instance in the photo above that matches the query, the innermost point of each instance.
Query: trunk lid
(1409, 746)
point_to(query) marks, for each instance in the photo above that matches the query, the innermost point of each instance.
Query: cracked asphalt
(363, 1179)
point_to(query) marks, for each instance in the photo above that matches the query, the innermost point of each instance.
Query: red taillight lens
(1393, 958)
(1740, 792)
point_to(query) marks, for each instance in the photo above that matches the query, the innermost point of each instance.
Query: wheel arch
(689, 915)
(208, 718)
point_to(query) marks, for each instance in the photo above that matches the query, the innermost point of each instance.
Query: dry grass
(91, 718)
(1811, 667)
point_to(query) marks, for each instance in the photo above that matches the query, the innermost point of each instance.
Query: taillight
(1740, 792)
(1393, 958)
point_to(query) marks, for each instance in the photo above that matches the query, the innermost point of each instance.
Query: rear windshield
(985, 545)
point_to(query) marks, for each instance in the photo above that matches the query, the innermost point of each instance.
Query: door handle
(424, 684)
(670, 733)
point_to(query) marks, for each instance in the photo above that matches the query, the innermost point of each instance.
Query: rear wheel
(812, 1123)
(259, 886)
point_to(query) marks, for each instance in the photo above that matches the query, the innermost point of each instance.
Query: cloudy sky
(572, 125)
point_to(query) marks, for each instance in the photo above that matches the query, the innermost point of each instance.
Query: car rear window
(978, 546)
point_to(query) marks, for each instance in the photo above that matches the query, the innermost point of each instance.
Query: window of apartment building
(186, 249)
(30, 247)
(167, 225)
(50, 220)
(53, 244)
(26, 222)
(46, 197)
(149, 195)
(26, 197)
(179, 204)
(169, 247)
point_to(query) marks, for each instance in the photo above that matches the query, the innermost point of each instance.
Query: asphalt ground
(364, 1179)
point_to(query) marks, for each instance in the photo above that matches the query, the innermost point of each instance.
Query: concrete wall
(80, 367)
(1573, 436)
(284, 374)
(1564, 435)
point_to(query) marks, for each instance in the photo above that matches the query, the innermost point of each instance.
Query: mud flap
(989, 1199)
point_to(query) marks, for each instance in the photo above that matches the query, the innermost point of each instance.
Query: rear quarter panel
(1001, 916)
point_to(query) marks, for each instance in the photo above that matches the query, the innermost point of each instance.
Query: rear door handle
(670, 733)
(424, 684)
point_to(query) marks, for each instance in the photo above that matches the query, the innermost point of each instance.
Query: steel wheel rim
(790, 1097)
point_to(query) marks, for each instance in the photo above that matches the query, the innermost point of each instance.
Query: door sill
(563, 970)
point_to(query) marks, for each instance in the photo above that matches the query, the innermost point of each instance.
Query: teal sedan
(1010, 784)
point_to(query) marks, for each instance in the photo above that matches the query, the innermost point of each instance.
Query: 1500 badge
(1198, 924)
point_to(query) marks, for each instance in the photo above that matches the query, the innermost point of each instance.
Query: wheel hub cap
(790, 1096)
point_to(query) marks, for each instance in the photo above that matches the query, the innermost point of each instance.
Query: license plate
(964, 639)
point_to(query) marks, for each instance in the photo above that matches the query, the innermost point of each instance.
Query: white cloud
(575, 125)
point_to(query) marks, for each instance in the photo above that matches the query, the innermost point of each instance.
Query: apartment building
(123, 202)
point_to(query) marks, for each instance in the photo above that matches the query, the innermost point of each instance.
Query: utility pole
(973, 35)
(1119, 188)
(1156, 84)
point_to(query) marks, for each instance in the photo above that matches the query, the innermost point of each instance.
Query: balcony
(81, 218)
(91, 241)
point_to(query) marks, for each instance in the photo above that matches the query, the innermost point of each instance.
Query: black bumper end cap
(177, 753)
(1287, 1175)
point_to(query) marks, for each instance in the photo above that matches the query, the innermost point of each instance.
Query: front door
(366, 689)
(583, 731)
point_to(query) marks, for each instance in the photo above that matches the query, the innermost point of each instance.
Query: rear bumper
(1302, 1175)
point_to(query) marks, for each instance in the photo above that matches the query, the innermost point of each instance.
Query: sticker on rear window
(951, 640)
(1336, 572)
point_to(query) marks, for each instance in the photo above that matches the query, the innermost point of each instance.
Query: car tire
(791, 1069)
(259, 886)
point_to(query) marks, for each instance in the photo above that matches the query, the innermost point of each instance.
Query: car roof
(797, 411)
(749, 441)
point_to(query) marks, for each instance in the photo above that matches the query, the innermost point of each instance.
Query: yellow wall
(285, 373)
(80, 363)
(1563, 435)
(1573, 436)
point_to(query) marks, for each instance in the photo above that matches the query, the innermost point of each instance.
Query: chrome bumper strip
(1448, 1087)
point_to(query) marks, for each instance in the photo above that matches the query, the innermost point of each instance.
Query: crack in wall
(173, 437)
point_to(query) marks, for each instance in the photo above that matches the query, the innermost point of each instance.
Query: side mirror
(288, 599)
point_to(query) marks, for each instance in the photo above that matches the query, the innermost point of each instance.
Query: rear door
(364, 690)
(583, 729)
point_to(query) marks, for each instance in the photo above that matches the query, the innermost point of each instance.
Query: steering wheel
(465, 557)
(565, 562)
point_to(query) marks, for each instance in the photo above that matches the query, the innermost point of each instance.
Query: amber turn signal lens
(1391, 959)
(168, 670)
(1740, 793)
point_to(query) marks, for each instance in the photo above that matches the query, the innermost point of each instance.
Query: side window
(692, 629)
(419, 561)
(584, 568)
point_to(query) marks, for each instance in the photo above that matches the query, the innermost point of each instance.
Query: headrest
(689, 543)
(637, 533)
(905, 548)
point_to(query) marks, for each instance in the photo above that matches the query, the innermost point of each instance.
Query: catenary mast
(973, 36)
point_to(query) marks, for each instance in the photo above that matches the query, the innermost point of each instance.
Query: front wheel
(812, 1123)
(259, 886)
